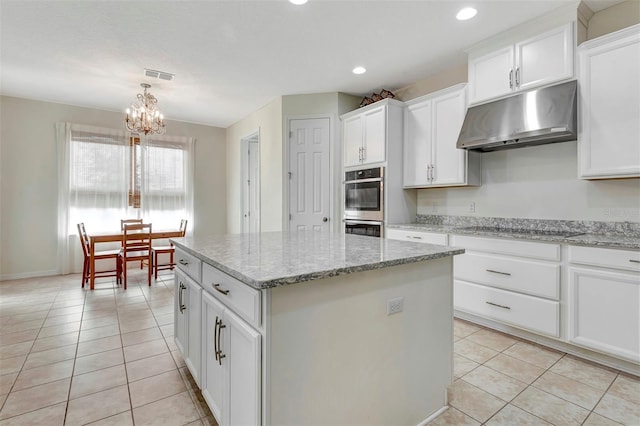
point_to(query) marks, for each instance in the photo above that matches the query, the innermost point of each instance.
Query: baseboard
(433, 416)
(24, 275)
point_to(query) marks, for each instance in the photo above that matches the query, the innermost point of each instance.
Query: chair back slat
(183, 227)
(124, 222)
(84, 239)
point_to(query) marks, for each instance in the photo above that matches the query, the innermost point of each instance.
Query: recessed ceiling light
(466, 13)
(359, 70)
(297, 2)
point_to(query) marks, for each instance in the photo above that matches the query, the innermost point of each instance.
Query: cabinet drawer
(532, 313)
(608, 258)
(545, 251)
(190, 264)
(239, 297)
(523, 276)
(418, 236)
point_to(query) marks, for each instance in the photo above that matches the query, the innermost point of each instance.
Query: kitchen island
(309, 328)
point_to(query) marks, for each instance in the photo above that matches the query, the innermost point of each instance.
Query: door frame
(244, 175)
(334, 208)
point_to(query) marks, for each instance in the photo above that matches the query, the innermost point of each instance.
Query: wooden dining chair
(98, 255)
(170, 250)
(136, 246)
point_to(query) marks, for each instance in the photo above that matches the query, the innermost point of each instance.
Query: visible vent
(158, 74)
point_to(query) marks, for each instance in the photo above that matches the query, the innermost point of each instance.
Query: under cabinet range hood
(534, 117)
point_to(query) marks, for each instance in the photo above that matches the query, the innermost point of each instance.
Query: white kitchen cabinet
(604, 300)
(366, 132)
(432, 125)
(510, 281)
(187, 333)
(609, 120)
(231, 368)
(417, 236)
(537, 61)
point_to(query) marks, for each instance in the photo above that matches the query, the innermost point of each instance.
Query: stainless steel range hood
(534, 117)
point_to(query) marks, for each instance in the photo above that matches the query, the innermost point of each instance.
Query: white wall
(538, 182)
(29, 184)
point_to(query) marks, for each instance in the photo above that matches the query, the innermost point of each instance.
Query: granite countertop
(272, 259)
(582, 239)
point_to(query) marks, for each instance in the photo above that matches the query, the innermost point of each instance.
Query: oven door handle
(362, 222)
(346, 182)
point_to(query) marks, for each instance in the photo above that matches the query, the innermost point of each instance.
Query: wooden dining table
(110, 237)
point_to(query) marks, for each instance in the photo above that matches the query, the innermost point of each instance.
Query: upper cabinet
(365, 132)
(432, 125)
(537, 61)
(609, 120)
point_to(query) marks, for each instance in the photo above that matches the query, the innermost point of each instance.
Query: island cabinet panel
(337, 357)
(418, 236)
(187, 313)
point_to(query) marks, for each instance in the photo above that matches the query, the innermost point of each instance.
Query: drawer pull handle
(499, 306)
(183, 262)
(415, 238)
(220, 290)
(634, 261)
(498, 272)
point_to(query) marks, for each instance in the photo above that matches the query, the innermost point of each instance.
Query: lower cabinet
(604, 301)
(418, 236)
(231, 355)
(187, 333)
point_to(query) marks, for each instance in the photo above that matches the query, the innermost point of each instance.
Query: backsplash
(627, 229)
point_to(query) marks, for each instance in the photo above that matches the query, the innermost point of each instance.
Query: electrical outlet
(472, 207)
(395, 305)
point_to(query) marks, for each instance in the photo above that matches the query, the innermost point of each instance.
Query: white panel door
(449, 162)
(417, 144)
(309, 174)
(375, 135)
(491, 75)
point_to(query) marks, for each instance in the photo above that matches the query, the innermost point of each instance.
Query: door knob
(325, 219)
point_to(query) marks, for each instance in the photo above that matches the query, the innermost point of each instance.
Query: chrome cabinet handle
(634, 261)
(364, 153)
(433, 172)
(219, 289)
(499, 306)
(215, 339)
(497, 272)
(517, 77)
(180, 298)
(511, 79)
(183, 262)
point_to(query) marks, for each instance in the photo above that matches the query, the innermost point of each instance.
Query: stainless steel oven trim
(346, 182)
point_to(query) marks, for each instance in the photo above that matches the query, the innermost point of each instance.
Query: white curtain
(92, 182)
(167, 181)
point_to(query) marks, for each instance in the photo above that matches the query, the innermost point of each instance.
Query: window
(103, 168)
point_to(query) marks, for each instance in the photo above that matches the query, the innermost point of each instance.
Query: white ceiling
(232, 57)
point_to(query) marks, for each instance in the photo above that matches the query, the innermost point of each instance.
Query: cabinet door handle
(415, 237)
(181, 298)
(497, 272)
(183, 262)
(364, 153)
(217, 288)
(215, 339)
(499, 306)
(433, 172)
(511, 78)
(219, 354)
(634, 261)
(517, 77)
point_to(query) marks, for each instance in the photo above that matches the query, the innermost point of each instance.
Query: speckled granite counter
(620, 240)
(276, 258)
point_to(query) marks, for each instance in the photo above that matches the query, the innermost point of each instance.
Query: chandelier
(143, 117)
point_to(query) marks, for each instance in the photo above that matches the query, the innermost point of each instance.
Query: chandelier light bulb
(145, 117)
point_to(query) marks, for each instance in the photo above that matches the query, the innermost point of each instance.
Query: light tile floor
(107, 357)
(503, 380)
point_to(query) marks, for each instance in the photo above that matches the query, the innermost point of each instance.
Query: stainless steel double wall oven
(364, 202)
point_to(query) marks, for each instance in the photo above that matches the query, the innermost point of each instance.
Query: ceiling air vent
(158, 74)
